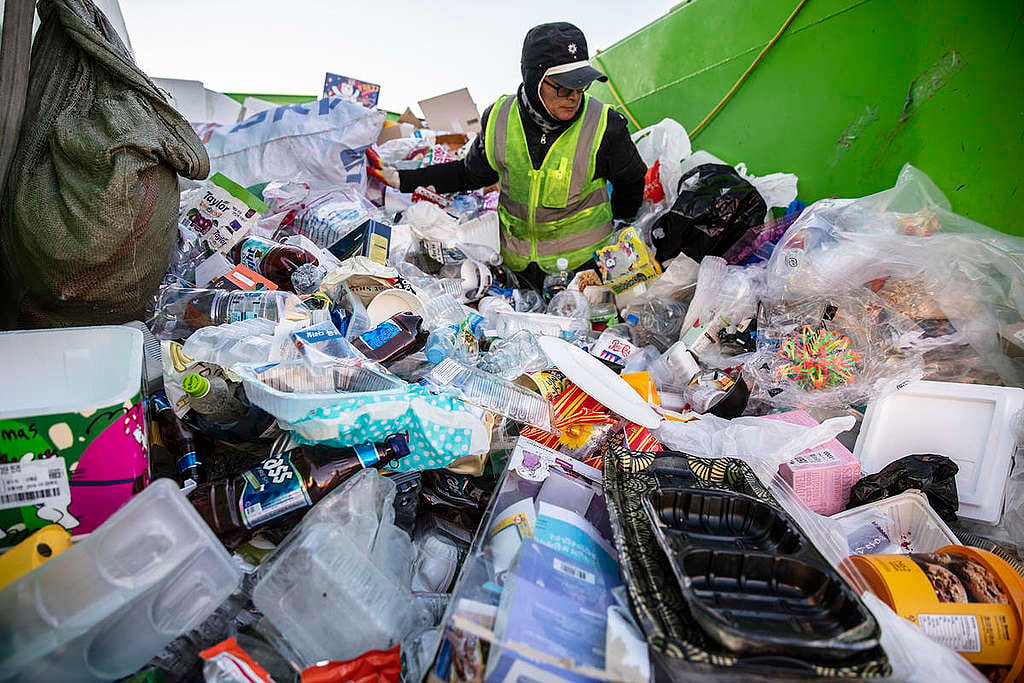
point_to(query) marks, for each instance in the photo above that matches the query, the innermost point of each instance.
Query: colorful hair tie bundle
(817, 359)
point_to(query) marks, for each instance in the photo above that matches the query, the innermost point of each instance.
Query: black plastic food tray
(752, 579)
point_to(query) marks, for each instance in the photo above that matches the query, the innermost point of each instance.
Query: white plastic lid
(562, 263)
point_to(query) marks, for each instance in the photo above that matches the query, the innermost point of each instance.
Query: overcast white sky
(414, 50)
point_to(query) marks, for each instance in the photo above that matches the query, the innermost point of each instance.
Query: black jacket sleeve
(619, 163)
(469, 173)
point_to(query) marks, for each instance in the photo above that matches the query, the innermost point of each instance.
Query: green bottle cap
(195, 385)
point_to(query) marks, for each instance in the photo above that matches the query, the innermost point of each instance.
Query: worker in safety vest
(554, 150)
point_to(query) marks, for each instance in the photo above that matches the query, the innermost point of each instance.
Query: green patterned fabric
(654, 592)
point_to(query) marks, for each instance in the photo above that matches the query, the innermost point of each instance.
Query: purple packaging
(821, 476)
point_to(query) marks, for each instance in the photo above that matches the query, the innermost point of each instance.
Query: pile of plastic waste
(759, 439)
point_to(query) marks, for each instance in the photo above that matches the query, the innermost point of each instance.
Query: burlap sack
(90, 205)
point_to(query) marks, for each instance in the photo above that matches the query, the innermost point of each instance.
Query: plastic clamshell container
(753, 581)
(907, 519)
(339, 585)
(73, 397)
(971, 424)
(291, 389)
(106, 606)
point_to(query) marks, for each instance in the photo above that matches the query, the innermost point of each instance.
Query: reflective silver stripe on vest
(574, 242)
(596, 198)
(514, 208)
(581, 160)
(514, 244)
(501, 143)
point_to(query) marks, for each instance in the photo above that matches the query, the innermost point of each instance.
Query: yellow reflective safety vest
(558, 210)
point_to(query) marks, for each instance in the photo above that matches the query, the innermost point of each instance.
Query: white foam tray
(969, 423)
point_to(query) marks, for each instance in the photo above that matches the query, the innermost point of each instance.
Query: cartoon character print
(111, 470)
(617, 260)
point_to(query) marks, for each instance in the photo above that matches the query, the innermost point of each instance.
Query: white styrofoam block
(971, 424)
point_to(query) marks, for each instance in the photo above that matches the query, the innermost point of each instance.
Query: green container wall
(851, 92)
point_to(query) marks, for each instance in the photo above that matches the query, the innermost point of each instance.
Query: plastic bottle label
(367, 454)
(380, 335)
(252, 253)
(272, 489)
(190, 459)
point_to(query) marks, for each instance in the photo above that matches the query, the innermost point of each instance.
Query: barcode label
(34, 482)
(815, 457)
(573, 571)
(28, 496)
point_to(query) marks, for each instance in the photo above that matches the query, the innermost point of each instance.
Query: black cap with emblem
(559, 50)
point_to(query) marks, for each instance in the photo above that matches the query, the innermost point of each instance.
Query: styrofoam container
(907, 519)
(971, 424)
(73, 446)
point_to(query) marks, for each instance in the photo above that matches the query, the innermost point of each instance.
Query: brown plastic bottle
(396, 337)
(179, 441)
(274, 261)
(294, 480)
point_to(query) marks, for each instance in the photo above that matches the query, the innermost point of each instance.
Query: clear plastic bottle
(181, 311)
(557, 282)
(213, 398)
(570, 304)
(662, 318)
(510, 358)
(656, 322)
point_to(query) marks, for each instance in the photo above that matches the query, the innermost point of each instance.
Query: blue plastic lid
(632, 319)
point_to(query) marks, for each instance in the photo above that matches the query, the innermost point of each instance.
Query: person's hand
(376, 168)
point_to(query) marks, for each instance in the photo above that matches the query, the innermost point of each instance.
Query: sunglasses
(564, 93)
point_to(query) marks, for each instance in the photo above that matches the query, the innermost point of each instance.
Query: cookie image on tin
(946, 584)
(981, 585)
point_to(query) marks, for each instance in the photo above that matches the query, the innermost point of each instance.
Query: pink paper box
(821, 476)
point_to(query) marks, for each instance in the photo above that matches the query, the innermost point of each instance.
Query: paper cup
(390, 302)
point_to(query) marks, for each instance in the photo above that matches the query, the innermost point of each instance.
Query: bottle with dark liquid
(294, 480)
(275, 261)
(395, 338)
(179, 440)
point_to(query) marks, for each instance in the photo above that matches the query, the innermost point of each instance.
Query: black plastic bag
(933, 475)
(715, 207)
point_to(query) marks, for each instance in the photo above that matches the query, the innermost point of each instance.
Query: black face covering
(531, 104)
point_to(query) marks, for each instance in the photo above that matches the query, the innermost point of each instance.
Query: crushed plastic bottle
(213, 398)
(510, 358)
(246, 341)
(656, 322)
(570, 304)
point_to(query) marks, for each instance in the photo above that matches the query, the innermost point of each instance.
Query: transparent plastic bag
(665, 142)
(832, 351)
(324, 140)
(938, 268)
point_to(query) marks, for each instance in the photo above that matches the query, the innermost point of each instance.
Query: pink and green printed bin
(73, 442)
